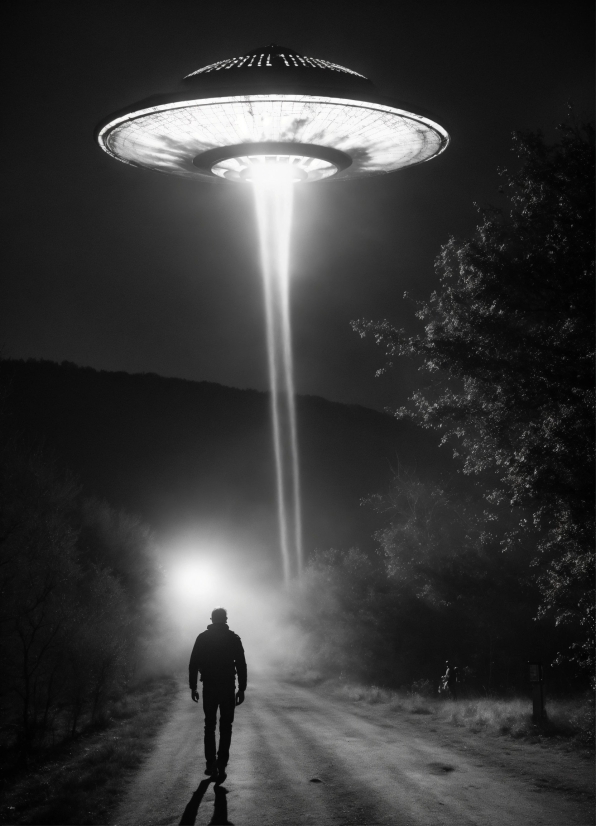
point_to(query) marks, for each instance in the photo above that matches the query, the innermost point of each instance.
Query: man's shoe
(221, 776)
(211, 769)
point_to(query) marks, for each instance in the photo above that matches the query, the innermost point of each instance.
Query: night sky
(123, 269)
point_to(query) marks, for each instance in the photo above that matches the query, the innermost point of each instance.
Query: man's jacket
(218, 654)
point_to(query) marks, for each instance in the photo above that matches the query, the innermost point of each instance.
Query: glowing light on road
(194, 579)
(273, 190)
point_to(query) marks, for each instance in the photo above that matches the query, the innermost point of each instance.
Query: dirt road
(300, 757)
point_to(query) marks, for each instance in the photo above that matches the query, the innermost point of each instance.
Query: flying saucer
(271, 105)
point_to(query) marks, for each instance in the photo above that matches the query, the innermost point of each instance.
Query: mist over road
(373, 767)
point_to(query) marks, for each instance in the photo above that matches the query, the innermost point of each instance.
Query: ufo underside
(172, 137)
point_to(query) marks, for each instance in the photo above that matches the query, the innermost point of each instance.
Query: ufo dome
(326, 121)
(278, 69)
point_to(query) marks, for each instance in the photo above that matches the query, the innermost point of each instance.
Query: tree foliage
(71, 622)
(508, 344)
(439, 588)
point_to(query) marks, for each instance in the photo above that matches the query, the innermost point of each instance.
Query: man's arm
(193, 670)
(240, 662)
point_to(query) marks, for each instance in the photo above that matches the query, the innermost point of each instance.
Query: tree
(76, 582)
(437, 546)
(508, 342)
(124, 545)
(38, 576)
(358, 623)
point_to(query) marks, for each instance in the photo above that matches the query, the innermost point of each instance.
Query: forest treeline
(77, 581)
(504, 572)
(438, 587)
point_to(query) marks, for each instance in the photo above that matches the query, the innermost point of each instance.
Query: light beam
(273, 191)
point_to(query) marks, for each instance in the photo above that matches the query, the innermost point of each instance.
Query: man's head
(219, 615)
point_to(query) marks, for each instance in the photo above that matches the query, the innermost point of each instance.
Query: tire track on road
(279, 790)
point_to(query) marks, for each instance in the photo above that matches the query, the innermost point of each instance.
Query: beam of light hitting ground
(273, 186)
(270, 118)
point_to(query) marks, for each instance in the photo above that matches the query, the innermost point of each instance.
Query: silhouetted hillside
(183, 454)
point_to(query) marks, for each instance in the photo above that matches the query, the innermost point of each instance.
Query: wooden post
(537, 702)
(536, 679)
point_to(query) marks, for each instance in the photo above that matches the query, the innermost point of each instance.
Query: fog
(200, 573)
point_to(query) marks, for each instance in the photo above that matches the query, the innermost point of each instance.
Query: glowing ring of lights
(247, 175)
(206, 160)
(338, 161)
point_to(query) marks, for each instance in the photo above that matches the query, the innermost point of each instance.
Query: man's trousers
(224, 698)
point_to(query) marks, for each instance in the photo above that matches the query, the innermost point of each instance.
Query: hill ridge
(182, 453)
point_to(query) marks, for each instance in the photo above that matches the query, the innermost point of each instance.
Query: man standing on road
(218, 654)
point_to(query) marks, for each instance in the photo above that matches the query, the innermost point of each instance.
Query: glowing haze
(205, 572)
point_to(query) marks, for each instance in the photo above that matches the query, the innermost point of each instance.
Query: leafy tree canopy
(508, 342)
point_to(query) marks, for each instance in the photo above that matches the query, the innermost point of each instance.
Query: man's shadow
(220, 808)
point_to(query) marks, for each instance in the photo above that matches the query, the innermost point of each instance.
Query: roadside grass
(83, 780)
(570, 720)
